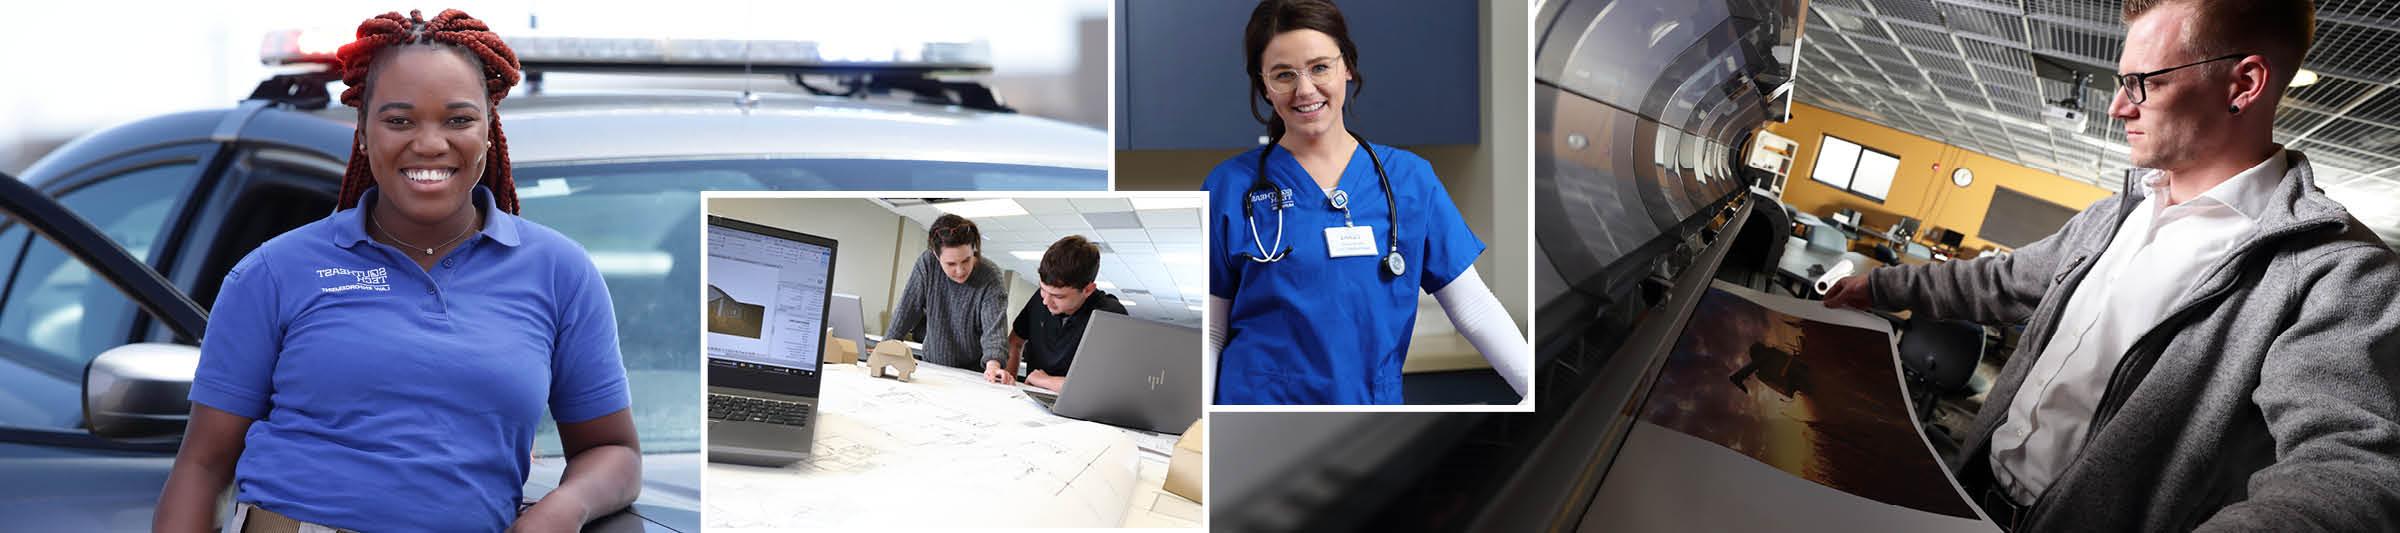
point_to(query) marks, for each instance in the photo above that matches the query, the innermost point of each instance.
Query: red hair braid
(452, 28)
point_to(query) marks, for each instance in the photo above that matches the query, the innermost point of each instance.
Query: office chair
(1885, 253)
(1938, 357)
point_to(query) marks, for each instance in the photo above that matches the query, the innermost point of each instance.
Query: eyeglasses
(1320, 73)
(2136, 86)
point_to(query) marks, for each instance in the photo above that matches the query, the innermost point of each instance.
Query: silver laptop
(1132, 373)
(765, 354)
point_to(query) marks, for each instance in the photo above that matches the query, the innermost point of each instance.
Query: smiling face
(1303, 57)
(2166, 131)
(426, 127)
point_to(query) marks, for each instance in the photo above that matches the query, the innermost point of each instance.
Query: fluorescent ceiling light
(1106, 286)
(1127, 303)
(998, 207)
(1169, 202)
(2305, 78)
(1192, 307)
(1025, 255)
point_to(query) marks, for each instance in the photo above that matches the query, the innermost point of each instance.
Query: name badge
(1349, 241)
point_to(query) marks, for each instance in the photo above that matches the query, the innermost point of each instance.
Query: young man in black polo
(1047, 331)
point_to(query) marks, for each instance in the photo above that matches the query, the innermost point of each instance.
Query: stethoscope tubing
(1270, 255)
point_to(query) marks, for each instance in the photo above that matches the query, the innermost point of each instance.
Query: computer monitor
(1905, 229)
(848, 319)
(1951, 238)
(767, 291)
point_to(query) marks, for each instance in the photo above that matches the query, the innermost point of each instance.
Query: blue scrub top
(387, 397)
(1313, 329)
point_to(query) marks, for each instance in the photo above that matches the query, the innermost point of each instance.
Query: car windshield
(641, 224)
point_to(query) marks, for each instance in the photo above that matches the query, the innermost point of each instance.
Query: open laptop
(766, 303)
(847, 317)
(1124, 377)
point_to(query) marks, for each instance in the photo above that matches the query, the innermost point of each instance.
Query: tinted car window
(641, 232)
(59, 314)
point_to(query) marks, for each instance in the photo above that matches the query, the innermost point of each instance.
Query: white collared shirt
(2157, 256)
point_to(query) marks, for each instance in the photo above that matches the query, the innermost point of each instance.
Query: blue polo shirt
(392, 398)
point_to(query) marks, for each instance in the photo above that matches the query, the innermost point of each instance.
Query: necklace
(428, 250)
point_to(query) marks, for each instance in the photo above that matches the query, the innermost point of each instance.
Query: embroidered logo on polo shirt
(367, 280)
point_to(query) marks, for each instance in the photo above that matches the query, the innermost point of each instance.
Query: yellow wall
(1918, 190)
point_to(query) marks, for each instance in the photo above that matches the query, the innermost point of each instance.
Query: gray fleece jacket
(961, 322)
(2264, 401)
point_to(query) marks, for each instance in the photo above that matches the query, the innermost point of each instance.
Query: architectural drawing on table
(946, 435)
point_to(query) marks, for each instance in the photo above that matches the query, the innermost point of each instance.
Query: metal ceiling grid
(1962, 72)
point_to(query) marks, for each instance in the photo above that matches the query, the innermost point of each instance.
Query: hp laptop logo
(1158, 379)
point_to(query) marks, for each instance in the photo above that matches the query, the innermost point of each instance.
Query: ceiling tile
(1049, 206)
(1012, 223)
(1062, 222)
(1165, 236)
(1170, 218)
(1102, 205)
(1113, 220)
(1124, 235)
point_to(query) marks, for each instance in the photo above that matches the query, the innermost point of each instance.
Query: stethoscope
(1341, 201)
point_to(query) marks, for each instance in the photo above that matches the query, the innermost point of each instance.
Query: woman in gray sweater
(959, 313)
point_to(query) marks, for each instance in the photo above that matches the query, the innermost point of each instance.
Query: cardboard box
(840, 351)
(1185, 468)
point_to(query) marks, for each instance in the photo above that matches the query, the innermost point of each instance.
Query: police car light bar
(539, 53)
(293, 47)
(544, 53)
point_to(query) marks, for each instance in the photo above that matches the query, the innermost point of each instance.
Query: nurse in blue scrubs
(385, 368)
(1313, 294)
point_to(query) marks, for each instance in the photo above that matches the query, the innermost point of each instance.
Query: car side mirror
(140, 390)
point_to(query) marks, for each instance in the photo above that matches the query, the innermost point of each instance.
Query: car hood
(670, 500)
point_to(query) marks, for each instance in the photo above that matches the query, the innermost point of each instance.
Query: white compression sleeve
(1479, 317)
(1218, 309)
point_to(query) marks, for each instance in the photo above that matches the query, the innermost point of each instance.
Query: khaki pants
(248, 518)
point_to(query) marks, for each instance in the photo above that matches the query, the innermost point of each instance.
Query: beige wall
(1020, 289)
(1919, 190)
(1508, 136)
(908, 243)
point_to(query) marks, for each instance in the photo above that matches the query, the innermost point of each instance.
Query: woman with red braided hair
(386, 368)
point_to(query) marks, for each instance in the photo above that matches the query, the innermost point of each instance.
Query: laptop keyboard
(748, 409)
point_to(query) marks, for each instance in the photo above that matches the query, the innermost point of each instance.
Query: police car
(116, 241)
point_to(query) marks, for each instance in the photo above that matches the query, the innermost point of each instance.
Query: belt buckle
(2007, 513)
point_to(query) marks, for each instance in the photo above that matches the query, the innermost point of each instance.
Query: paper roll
(1840, 270)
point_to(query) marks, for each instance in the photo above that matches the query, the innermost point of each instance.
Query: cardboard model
(893, 354)
(840, 351)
